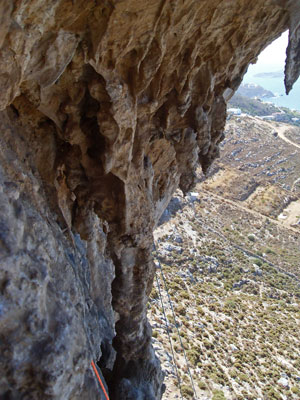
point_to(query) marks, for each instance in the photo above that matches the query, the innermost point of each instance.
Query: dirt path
(281, 133)
(248, 210)
(291, 213)
(281, 129)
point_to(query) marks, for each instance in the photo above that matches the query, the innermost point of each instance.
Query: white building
(234, 111)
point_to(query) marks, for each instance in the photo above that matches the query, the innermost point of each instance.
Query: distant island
(252, 90)
(276, 74)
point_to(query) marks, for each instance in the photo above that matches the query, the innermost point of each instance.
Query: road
(249, 210)
(281, 129)
(281, 133)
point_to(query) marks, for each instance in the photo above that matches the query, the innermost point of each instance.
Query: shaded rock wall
(107, 107)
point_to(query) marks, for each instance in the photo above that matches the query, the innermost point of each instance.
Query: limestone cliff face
(107, 107)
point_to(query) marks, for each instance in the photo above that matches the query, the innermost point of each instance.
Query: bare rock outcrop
(107, 107)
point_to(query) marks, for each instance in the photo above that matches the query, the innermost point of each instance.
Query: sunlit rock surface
(107, 107)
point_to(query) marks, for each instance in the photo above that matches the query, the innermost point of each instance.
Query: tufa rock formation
(107, 107)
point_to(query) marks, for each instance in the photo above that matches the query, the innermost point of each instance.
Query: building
(234, 111)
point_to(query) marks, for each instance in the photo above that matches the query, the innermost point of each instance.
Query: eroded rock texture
(107, 107)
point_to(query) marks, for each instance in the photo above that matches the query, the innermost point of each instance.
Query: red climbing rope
(99, 379)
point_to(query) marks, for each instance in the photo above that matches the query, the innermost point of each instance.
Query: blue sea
(276, 85)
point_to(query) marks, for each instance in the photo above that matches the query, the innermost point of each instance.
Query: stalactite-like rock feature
(107, 107)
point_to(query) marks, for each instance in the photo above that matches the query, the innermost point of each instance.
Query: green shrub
(202, 385)
(184, 295)
(200, 310)
(251, 238)
(180, 309)
(218, 395)
(187, 391)
(258, 262)
(295, 390)
(193, 356)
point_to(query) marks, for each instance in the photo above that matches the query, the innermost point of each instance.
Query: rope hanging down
(99, 379)
(170, 341)
(175, 322)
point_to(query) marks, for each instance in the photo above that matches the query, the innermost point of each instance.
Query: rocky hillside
(252, 107)
(231, 267)
(264, 155)
(257, 107)
(252, 90)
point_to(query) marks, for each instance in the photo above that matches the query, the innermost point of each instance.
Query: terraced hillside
(259, 167)
(232, 270)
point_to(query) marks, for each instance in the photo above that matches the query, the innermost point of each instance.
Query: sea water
(272, 59)
(276, 85)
